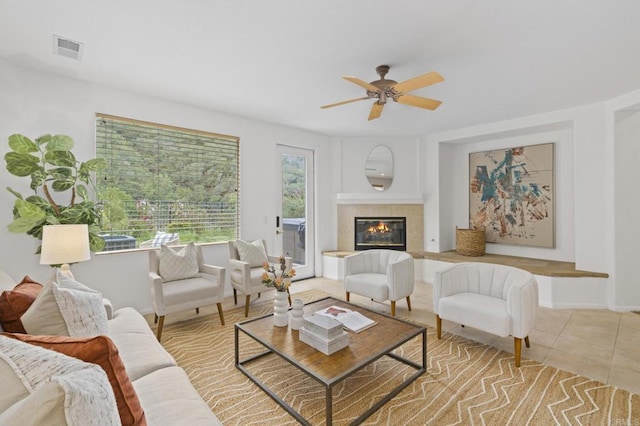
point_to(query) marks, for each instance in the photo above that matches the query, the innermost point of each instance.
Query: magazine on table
(351, 320)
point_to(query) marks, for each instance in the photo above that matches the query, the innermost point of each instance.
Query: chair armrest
(156, 292)
(245, 270)
(354, 264)
(400, 278)
(108, 307)
(444, 285)
(212, 270)
(522, 306)
(239, 264)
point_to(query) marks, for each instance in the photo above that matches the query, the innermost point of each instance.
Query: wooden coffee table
(365, 348)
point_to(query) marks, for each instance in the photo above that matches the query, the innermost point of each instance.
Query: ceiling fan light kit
(382, 90)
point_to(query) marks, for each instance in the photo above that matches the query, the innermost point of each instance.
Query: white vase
(295, 314)
(280, 308)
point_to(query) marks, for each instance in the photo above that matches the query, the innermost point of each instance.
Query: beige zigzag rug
(465, 383)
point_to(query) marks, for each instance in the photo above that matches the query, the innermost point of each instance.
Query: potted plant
(51, 166)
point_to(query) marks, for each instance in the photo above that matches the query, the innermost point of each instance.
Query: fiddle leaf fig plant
(55, 174)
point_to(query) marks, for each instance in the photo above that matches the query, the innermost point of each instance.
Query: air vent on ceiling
(66, 47)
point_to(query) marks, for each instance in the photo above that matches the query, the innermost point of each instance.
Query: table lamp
(64, 244)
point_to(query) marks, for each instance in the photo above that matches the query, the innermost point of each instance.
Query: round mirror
(379, 168)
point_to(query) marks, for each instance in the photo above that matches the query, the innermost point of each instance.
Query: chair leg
(348, 294)
(246, 305)
(526, 341)
(517, 343)
(438, 327)
(160, 324)
(197, 310)
(409, 303)
(393, 308)
(155, 318)
(220, 313)
(235, 297)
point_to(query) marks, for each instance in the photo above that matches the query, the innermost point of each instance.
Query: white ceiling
(279, 60)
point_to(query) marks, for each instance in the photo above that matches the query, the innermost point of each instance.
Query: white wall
(406, 158)
(627, 204)
(36, 103)
(434, 165)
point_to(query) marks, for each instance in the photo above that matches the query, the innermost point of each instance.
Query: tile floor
(599, 344)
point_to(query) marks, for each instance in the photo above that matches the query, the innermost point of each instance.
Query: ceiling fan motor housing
(384, 86)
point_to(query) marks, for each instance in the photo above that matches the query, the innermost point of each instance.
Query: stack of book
(323, 333)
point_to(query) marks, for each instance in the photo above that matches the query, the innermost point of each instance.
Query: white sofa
(498, 299)
(163, 388)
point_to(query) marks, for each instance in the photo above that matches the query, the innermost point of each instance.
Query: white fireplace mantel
(365, 198)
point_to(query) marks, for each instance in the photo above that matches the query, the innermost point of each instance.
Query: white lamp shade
(63, 244)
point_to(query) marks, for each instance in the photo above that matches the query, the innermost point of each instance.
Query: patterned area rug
(465, 383)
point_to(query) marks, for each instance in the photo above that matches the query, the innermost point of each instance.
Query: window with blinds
(165, 185)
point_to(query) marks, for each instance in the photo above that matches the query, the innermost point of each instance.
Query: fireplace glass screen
(380, 233)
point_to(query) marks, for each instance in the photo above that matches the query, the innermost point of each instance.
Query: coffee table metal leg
(329, 403)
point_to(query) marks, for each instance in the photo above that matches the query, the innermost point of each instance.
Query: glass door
(295, 221)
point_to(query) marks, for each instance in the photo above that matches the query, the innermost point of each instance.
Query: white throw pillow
(68, 308)
(178, 265)
(253, 252)
(54, 388)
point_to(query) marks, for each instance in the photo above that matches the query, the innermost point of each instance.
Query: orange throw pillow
(102, 351)
(14, 303)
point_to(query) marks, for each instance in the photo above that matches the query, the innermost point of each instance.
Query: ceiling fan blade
(344, 102)
(418, 82)
(362, 83)
(418, 101)
(376, 110)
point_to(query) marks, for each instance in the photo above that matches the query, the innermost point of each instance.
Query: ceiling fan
(384, 89)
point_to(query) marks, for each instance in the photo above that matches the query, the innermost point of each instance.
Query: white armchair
(498, 299)
(380, 275)
(246, 271)
(167, 297)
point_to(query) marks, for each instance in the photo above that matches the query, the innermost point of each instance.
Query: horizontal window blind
(166, 179)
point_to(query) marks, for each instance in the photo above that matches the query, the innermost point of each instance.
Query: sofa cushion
(482, 312)
(102, 351)
(66, 311)
(139, 348)
(178, 265)
(368, 284)
(59, 389)
(253, 252)
(14, 303)
(168, 398)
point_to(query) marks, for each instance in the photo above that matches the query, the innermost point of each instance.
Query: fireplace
(380, 233)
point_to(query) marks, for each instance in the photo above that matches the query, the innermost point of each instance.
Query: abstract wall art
(511, 195)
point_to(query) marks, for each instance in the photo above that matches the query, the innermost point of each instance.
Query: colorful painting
(511, 195)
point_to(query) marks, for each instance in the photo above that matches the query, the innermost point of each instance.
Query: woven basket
(470, 242)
